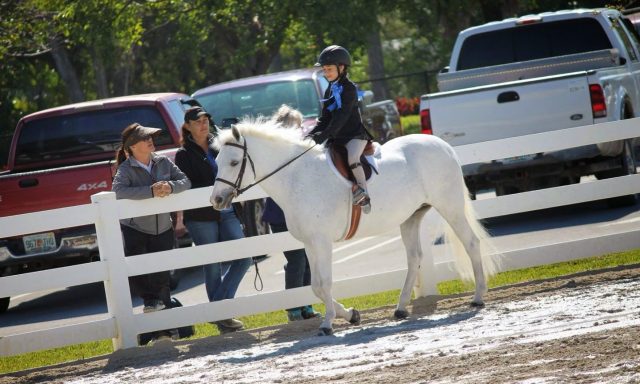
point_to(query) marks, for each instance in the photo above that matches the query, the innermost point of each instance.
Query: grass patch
(87, 350)
(410, 124)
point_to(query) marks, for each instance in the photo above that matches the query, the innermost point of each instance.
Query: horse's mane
(264, 128)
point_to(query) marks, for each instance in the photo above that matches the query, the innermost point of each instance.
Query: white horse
(416, 172)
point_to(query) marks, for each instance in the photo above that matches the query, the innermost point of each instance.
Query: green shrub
(410, 124)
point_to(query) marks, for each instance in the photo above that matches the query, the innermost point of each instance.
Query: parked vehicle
(301, 89)
(59, 157)
(539, 73)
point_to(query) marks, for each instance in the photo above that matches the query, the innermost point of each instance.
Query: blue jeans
(296, 272)
(221, 279)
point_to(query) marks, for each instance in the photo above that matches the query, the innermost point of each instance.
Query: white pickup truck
(534, 74)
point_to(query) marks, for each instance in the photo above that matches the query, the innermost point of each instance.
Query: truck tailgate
(494, 112)
(52, 188)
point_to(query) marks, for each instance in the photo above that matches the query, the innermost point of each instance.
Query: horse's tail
(490, 256)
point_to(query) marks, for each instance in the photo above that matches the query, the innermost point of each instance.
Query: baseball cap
(194, 113)
(140, 133)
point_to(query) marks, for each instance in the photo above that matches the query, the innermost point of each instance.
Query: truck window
(531, 42)
(619, 27)
(89, 133)
(261, 99)
(176, 110)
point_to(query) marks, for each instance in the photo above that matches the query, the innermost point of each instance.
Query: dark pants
(154, 286)
(296, 272)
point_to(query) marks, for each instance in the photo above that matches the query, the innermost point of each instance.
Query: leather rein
(237, 191)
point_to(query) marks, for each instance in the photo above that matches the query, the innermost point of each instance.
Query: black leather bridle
(245, 156)
(237, 191)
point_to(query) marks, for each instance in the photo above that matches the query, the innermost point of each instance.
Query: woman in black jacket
(196, 158)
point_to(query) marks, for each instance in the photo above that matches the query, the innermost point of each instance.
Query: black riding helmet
(334, 54)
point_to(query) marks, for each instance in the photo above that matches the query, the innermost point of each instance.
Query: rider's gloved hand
(318, 137)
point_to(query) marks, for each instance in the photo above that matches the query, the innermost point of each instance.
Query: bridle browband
(237, 191)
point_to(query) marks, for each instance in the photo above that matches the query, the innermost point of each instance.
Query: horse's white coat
(416, 172)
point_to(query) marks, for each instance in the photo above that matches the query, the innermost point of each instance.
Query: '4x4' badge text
(91, 186)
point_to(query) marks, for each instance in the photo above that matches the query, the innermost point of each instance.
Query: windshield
(90, 133)
(262, 99)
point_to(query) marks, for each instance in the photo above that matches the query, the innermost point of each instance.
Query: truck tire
(252, 212)
(4, 304)
(628, 167)
(174, 278)
(253, 224)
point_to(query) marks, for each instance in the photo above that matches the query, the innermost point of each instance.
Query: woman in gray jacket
(143, 174)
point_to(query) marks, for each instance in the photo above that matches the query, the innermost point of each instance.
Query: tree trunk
(376, 65)
(101, 77)
(65, 70)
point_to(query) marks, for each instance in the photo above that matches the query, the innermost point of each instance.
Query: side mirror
(367, 98)
(622, 60)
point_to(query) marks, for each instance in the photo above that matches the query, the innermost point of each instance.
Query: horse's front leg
(319, 254)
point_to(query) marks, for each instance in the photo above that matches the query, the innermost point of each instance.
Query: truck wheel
(253, 224)
(628, 167)
(4, 304)
(252, 211)
(174, 278)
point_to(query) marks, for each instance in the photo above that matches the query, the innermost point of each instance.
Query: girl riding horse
(340, 121)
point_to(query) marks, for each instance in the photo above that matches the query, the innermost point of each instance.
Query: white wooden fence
(122, 325)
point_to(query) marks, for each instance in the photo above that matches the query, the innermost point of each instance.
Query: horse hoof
(477, 305)
(325, 332)
(400, 314)
(355, 317)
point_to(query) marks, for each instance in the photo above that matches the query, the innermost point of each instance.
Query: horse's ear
(235, 132)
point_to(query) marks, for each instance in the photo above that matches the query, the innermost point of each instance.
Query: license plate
(40, 242)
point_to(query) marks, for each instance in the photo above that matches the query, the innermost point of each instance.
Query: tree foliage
(54, 52)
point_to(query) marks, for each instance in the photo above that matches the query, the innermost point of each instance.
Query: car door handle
(507, 97)
(27, 183)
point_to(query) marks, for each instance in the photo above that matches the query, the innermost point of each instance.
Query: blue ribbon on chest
(336, 95)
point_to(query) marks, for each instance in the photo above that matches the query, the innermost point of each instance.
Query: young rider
(340, 121)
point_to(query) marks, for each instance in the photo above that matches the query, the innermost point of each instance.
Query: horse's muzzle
(220, 201)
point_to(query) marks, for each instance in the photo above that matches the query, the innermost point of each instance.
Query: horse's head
(232, 163)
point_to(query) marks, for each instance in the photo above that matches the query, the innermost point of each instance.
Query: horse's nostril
(218, 199)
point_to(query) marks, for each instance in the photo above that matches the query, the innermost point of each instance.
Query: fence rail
(122, 325)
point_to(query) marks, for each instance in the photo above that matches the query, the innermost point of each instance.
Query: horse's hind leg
(410, 232)
(319, 253)
(460, 221)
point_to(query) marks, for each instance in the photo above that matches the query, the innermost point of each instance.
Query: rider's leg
(354, 150)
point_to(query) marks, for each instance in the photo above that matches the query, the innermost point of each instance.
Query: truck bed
(449, 81)
(493, 112)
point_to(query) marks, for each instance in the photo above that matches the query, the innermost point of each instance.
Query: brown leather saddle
(339, 157)
(340, 161)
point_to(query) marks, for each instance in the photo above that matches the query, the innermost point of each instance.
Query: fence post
(430, 228)
(116, 287)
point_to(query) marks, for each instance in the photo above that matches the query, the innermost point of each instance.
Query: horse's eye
(234, 163)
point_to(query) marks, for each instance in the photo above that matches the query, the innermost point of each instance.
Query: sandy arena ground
(580, 329)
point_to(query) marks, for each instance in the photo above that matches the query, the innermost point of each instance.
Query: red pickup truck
(59, 157)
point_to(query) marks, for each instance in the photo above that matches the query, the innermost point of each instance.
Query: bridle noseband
(237, 191)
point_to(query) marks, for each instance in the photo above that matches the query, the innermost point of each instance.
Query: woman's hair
(184, 133)
(121, 156)
(288, 117)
